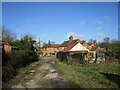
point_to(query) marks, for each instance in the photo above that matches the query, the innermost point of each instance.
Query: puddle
(56, 79)
(59, 84)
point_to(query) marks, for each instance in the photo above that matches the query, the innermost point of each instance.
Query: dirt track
(41, 77)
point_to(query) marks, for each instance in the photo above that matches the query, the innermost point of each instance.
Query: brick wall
(7, 48)
(49, 50)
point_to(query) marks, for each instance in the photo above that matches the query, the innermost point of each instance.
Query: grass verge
(21, 72)
(103, 75)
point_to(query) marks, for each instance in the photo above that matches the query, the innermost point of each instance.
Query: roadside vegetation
(96, 75)
(111, 48)
(102, 75)
(20, 74)
(105, 74)
(24, 55)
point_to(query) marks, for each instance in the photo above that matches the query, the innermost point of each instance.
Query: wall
(61, 48)
(78, 47)
(7, 48)
(49, 50)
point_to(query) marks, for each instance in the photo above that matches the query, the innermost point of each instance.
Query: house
(65, 44)
(6, 47)
(49, 49)
(77, 46)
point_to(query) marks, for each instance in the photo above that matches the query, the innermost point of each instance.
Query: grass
(102, 75)
(21, 72)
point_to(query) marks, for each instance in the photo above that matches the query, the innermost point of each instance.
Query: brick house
(6, 47)
(77, 46)
(47, 49)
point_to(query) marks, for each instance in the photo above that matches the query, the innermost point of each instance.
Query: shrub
(62, 56)
(16, 60)
(56, 60)
(70, 59)
(53, 53)
(8, 71)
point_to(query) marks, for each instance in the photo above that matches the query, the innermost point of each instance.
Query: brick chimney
(70, 38)
(95, 42)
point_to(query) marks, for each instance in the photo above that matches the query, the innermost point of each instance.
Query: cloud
(42, 38)
(106, 17)
(99, 28)
(75, 35)
(99, 34)
(99, 22)
(82, 21)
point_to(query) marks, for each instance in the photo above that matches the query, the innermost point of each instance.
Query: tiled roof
(69, 47)
(52, 45)
(44, 46)
(7, 44)
(67, 43)
(56, 45)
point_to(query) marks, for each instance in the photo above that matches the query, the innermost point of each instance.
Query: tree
(106, 39)
(52, 42)
(44, 43)
(17, 59)
(27, 42)
(106, 45)
(39, 43)
(115, 49)
(8, 35)
(83, 40)
(91, 40)
(49, 43)
(111, 48)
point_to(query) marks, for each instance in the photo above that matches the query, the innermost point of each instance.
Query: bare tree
(106, 39)
(8, 35)
(91, 40)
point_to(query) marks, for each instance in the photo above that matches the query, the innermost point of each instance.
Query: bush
(8, 71)
(56, 60)
(70, 59)
(62, 56)
(53, 53)
(17, 59)
(14, 61)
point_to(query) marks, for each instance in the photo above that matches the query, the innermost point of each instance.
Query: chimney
(95, 42)
(70, 38)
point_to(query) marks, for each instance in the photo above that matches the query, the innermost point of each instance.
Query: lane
(43, 75)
